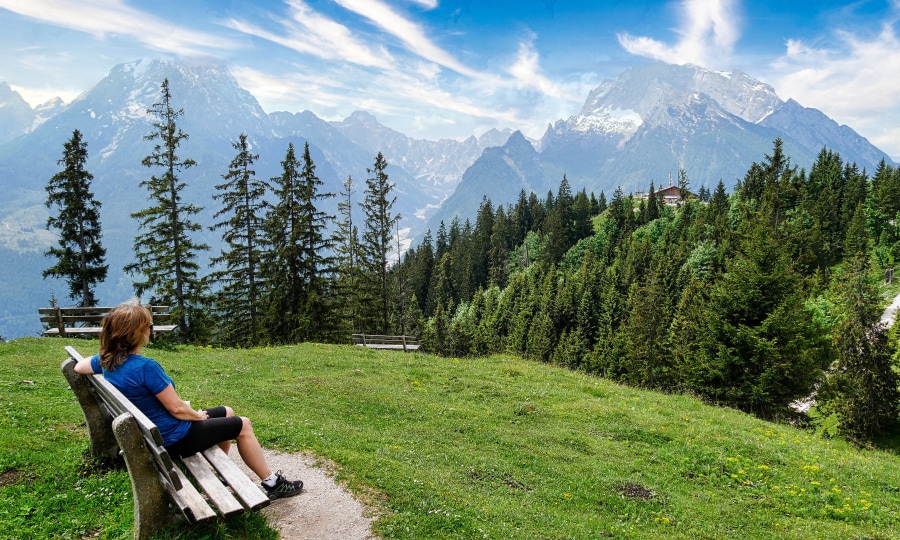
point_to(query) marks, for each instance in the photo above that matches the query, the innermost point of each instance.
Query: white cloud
(411, 34)
(527, 70)
(429, 4)
(102, 18)
(707, 34)
(852, 82)
(309, 32)
(417, 74)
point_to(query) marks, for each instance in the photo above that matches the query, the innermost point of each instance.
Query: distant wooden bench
(396, 343)
(86, 320)
(162, 491)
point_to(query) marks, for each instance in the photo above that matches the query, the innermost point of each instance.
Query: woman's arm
(178, 407)
(83, 366)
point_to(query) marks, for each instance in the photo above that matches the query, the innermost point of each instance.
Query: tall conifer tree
(165, 252)
(378, 232)
(80, 257)
(316, 262)
(282, 257)
(346, 249)
(242, 196)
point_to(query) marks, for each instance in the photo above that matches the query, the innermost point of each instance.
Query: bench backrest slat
(81, 320)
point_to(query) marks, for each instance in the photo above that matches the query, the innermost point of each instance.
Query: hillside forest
(752, 299)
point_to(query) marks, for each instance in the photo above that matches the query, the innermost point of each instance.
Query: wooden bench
(86, 320)
(397, 343)
(162, 491)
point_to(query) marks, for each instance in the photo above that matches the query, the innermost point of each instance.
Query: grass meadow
(460, 448)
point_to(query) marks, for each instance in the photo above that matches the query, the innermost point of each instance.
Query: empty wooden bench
(86, 320)
(211, 483)
(397, 343)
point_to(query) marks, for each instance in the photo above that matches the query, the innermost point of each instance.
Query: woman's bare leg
(251, 451)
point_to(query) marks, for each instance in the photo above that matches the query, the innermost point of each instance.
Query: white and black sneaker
(283, 487)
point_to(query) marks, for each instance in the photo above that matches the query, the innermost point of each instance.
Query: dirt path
(323, 511)
(887, 318)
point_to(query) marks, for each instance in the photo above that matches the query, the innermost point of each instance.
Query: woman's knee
(228, 411)
(246, 426)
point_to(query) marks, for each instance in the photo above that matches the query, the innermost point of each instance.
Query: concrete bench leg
(151, 503)
(103, 442)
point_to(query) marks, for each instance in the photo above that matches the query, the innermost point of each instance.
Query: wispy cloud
(852, 81)
(387, 93)
(402, 65)
(102, 18)
(707, 34)
(412, 35)
(309, 32)
(430, 4)
(527, 70)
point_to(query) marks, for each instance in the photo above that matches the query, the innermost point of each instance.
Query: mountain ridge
(652, 121)
(639, 127)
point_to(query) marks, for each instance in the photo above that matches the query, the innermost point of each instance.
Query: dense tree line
(751, 300)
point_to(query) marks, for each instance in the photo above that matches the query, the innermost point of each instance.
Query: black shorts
(205, 433)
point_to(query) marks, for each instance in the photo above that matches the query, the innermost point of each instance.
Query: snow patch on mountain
(608, 119)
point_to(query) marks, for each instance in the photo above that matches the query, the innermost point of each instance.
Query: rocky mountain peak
(643, 89)
(16, 115)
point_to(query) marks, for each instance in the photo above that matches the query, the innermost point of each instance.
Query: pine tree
(242, 196)
(165, 252)
(558, 224)
(378, 232)
(282, 255)
(346, 248)
(498, 257)
(422, 271)
(582, 227)
(80, 257)
(652, 204)
(479, 258)
(760, 348)
(316, 263)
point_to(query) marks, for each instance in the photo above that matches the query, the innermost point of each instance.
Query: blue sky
(453, 68)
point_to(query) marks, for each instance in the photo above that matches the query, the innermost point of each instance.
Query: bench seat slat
(250, 495)
(93, 330)
(212, 486)
(190, 501)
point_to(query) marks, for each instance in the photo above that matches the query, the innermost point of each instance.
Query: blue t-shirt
(139, 379)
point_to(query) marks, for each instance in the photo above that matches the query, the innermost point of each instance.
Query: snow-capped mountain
(648, 123)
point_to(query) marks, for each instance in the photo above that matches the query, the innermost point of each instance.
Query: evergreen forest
(752, 299)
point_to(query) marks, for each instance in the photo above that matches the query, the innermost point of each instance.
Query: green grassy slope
(459, 448)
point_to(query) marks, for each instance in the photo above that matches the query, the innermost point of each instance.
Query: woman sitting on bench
(125, 330)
